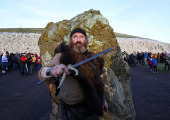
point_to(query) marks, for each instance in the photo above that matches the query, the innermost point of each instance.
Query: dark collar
(86, 52)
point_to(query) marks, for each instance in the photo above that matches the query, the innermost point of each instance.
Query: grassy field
(160, 68)
(125, 35)
(22, 30)
(40, 30)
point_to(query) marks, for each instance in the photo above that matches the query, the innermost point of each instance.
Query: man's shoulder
(56, 58)
(58, 55)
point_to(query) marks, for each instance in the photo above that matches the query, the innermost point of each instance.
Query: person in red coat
(150, 63)
(23, 62)
(38, 63)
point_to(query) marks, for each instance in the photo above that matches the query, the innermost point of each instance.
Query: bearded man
(80, 97)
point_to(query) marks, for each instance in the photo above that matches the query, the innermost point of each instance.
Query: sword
(82, 62)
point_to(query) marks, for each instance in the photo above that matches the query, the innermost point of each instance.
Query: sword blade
(91, 58)
(82, 62)
(41, 82)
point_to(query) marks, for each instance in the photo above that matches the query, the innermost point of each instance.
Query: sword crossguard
(70, 67)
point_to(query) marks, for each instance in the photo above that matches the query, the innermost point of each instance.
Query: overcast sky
(143, 18)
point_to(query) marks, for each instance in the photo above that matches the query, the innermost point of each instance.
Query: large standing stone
(101, 36)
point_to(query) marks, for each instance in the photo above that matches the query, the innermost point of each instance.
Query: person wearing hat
(4, 62)
(82, 96)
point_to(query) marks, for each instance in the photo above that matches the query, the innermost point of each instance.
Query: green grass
(23, 30)
(40, 30)
(160, 68)
(125, 35)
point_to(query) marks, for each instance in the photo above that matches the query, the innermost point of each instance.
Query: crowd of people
(148, 58)
(25, 63)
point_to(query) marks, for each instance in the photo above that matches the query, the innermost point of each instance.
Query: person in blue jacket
(154, 62)
(145, 58)
(4, 62)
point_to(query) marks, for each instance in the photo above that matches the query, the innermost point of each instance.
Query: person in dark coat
(138, 58)
(80, 97)
(167, 63)
(1, 62)
(29, 63)
(132, 59)
(14, 62)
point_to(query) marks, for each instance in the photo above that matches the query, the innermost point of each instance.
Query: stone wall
(19, 42)
(141, 45)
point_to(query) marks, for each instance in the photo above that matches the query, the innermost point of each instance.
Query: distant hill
(22, 30)
(40, 30)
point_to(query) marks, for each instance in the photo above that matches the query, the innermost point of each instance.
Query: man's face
(78, 42)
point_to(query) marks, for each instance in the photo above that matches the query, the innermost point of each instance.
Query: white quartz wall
(142, 45)
(19, 42)
(28, 42)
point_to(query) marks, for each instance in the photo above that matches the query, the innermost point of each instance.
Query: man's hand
(58, 70)
(105, 106)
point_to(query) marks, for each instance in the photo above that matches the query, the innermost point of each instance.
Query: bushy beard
(81, 48)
